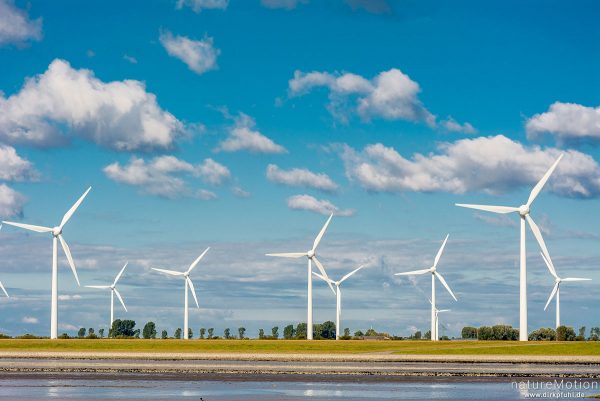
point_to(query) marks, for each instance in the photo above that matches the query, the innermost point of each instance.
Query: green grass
(296, 346)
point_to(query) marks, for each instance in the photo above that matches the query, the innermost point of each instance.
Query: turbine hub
(310, 254)
(56, 231)
(524, 210)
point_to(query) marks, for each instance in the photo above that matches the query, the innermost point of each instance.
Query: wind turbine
(188, 283)
(436, 335)
(56, 236)
(113, 291)
(338, 293)
(312, 256)
(556, 289)
(2, 286)
(523, 211)
(434, 274)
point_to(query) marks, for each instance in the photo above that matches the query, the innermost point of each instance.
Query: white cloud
(11, 202)
(199, 5)
(199, 55)
(13, 167)
(489, 164)
(15, 25)
(204, 194)
(240, 193)
(164, 175)
(243, 136)
(285, 4)
(30, 320)
(322, 206)
(298, 177)
(567, 122)
(119, 115)
(66, 297)
(129, 58)
(452, 125)
(391, 95)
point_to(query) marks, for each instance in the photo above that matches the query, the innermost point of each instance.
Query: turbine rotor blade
(327, 280)
(550, 265)
(73, 208)
(69, 257)
(120, 299)
(31, 227)
(120, 274)
(170, 272)
(97, 286)
(445, 284)
(576, 279)
(351, 273)
(439, 254)
(197, 260)
(538, 187)
(4, 290)
(323, 272)
(490, 208)
(287, 255)
(193, 291)
(321, 233)
(538, 235)
(443, 310)
(414, 272)
(552, 294)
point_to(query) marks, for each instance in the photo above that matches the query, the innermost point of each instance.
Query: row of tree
(505, 332)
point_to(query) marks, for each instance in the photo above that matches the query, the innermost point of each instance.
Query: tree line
(504, 332)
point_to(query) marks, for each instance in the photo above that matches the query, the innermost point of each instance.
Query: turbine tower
(312, 256)
(188, 284)
(338, 293)
(523, 211)
(113, 292)
(556, 290)
(434, 274)
(56, 236)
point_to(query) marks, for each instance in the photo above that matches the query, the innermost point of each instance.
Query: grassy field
(296, 346)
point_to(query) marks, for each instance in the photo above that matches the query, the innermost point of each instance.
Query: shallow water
(21, 389)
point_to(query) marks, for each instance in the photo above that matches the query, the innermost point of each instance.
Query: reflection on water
(126, 389)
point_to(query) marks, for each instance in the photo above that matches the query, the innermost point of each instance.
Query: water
(152, 388)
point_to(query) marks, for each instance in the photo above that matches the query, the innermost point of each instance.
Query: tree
(301, 331)
(136, 333)
(92, 334)
(346, 333)
(427, 335)
(101, 332)
(164, 335)
(289, 332)
(327, 330)
(275, 332)
(484, 333)
(202, 332)
(503, 332)
(123, 328)
(177, 334)
(149, 330)
(469, 333)
(81, 332)
(371, 332)
(190, 333)
(543, 334)
(227, 333)
(564, 333)
(317, 331)
(241, 331)
(417, 335)
(358, 333)
(261, 334)
(595, 333)
(581, 336)
(211, 332)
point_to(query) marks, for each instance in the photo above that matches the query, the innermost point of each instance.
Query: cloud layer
(489, 164)
(199, 55)
(15, 25)
(119, 115)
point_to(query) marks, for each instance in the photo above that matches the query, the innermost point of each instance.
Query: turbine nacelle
(310, 254)
(56, 231)
(524, 210)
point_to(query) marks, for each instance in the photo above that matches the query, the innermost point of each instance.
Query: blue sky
(241, 125)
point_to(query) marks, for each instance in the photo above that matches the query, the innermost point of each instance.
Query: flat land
(515, 348)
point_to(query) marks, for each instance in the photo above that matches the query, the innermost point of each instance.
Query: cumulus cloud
(199, 5)
(15, 25)
(300, 177)
(15, 168)
(493, 164)
(11, 202)
(285, 4)
(244, 136)
(204, 194)
(391, 95)
(30, 320)
(240, 193)
(199, 55)
(164, 175)
(67, 297)
(567, 123)
(322, 206)
(452, 125)
(119, 115)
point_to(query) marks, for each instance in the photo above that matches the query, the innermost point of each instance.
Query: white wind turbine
(434, 274)
(113, 291)
(436, 335)
(56, 236)
(338, 293)
(188, 283)
(2, 286)
(556, 289)
(523, 211)
(312, 256)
